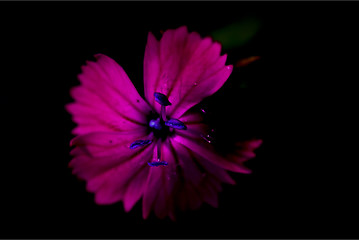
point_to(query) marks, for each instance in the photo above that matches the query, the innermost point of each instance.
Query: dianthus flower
(157, 149)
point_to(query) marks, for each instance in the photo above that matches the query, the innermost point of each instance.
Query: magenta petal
(201, 179)
(191, 118)
(161, 207)
(250, 144)
(160, 185)
(96, 153)
(151, 190)
(193, 197)
(184, 67)
(107, 99)
(206, 87)
(209, 191)
(135, 189)
(187, 161)
(111, 186)
(204, 149)
(244, 150)
(151, 67)
(188, 196)
(219, 173)
(192, 166)
(169, 175)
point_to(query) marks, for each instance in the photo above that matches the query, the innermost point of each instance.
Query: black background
(299, 100)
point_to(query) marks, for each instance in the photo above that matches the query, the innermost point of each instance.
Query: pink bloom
(155, 148)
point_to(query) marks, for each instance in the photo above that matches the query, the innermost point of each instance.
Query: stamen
(163, 113)
(175, 123)
(140, 143)
(207, 138)
(156, 124)
(158, 150)
(162, 99)
(156, 164)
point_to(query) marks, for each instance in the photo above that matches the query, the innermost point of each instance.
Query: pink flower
(155, 148)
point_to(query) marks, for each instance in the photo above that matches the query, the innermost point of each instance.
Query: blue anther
(156, 164)
(162, 99)
(175, 123)
(156, 124)
(140, 143)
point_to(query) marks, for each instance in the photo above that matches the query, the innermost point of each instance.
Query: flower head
(157, 149)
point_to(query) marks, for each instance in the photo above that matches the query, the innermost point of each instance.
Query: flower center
(161, 128)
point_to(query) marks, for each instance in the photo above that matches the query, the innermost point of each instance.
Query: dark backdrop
(297, 98)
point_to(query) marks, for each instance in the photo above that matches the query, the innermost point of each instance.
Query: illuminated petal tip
(175, 123)
(229, 67)
(162, 99)
(140, 143)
